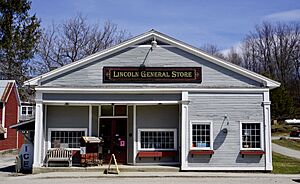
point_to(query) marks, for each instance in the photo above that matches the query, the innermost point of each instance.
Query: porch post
(267, 128)
(134, 134)
(184, 129)
(38, 135)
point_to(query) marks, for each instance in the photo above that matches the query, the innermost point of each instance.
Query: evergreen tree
(19, 34)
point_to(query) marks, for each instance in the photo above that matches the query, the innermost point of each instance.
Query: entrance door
(113, 131)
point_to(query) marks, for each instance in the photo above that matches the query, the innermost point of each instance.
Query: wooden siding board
(213, 108)
(152, 117)
(91, 74)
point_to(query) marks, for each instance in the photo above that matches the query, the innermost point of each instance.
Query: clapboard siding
(90, 75)
(66, 117)
(157, 117)
(214, 107)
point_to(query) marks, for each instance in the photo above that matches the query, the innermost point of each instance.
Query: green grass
(285, 165)
(289, 143)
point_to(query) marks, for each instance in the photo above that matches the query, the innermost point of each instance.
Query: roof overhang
(164, 38)
(25, 125)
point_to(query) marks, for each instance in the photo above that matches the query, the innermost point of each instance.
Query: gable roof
(163, 38)
(6, 88)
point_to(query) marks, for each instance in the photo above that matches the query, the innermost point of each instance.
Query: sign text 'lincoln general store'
(152, 75)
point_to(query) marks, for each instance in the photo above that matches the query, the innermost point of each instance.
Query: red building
(9, 115)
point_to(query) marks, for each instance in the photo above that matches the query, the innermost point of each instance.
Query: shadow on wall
(199, 158)
(248, 159)
(220, 138)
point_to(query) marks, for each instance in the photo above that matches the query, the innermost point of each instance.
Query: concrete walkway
(57, 175)
(285, 151)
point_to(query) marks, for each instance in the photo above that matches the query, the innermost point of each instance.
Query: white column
(90, 119)
(134, 134)
(38, 135)
(184, 130)
(267, 125)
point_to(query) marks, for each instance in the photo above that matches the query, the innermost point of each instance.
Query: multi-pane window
(251, 138)
(113, 110)
(27, 110)
(66, 139)
(201, 135)
(161, 139)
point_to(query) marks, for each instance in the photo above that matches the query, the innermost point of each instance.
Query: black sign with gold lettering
(152, 75)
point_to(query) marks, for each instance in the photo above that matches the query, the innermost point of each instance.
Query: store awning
(25, 125)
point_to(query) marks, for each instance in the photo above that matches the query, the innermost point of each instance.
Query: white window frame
(174, 130)
(201, 122)
(26, 106)
(64, 129)
(261, 135)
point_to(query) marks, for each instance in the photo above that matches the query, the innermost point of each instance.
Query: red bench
(156, 154)
(201, 152)
(252, 152)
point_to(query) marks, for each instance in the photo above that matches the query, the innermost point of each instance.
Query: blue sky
(221, 22)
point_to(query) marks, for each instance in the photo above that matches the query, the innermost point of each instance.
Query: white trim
(261, 135)
(64, 129)
(37, 162)
(134, 134)
(174, 130)
(184, 128)
(267, 131)
(148, 90)
(3, 119)
(26, 113)
(90, 119)
(201, 122)
(62, 102)
(45, 129)
(148, 46)
(239, 168)
(138, 39)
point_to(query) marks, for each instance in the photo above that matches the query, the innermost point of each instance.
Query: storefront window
(201, 135)
(251, 138)
(66, 138)
(158, 139)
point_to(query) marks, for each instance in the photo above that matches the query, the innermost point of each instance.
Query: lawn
(289, 143)
(285, 165)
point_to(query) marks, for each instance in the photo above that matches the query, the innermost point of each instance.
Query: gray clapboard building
(157, 101)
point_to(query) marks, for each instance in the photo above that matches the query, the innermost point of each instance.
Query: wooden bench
(59, 155)
(201, 152)
(156, 154)
(252, 152)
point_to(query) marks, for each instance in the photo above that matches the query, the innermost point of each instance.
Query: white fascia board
(148, 90)
(35, 81)
(242, 71)
(266, 81)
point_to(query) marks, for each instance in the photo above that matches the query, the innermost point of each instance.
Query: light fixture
(153, 46)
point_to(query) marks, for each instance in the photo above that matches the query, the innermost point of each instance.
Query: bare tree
(75, 39)
(233, 56)
(273, 50)
(212, 49)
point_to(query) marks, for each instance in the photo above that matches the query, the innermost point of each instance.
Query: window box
(201, 152)
(156, 154)
(253, 152)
